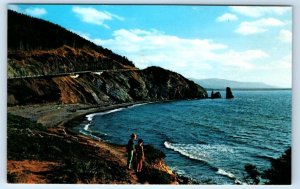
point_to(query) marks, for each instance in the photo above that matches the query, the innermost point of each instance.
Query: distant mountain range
(223, 83)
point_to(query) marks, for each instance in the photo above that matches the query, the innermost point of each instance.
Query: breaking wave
(90, 117)
(205, 153)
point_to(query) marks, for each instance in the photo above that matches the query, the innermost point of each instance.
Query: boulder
(229, 94)
(215, 95)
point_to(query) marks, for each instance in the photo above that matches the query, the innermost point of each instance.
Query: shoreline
(60, 119)
(58, 115)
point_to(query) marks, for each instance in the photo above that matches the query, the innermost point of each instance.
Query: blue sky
(242, 43)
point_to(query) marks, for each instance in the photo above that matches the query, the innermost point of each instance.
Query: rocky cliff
(108, 88)
(42, 49)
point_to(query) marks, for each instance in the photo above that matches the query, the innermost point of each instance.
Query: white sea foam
(230, 175)
(86, 127)
(207, 153)
(89, 135)
(141, 104)
(106, 112)
(90, 117)
(202, 152)
(225, 173)
(184, 150)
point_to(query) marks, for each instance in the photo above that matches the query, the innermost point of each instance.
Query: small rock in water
(215, 95)
(229, 94)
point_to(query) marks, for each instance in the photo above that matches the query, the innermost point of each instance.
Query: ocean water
(207, 140)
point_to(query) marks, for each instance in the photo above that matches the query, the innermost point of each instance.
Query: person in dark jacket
(139, 151)
(130, 150)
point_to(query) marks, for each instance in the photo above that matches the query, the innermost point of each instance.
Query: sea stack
(229, 93)
(215, 95)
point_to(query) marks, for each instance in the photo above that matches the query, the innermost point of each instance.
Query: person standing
(139, 155)
(130, 150)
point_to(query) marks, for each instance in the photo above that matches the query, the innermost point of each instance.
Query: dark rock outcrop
(215, 95)
(229, 94)
(164, 84)
(108, 88)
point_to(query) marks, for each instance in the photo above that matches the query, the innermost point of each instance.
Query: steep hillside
(109, 88)
(64, 59)
(40, 48)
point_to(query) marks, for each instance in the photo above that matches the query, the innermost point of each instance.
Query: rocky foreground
(41, 149)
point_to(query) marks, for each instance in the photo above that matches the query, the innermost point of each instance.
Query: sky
(241, 43)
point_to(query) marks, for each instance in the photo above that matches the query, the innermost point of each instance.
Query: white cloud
(285, 36)
(147, 48)
(36, 12)
(285, 62)
(258, 26)
(259, 11)
(242, 59)
(93, 16)
(281, 68)
(194, 58)
(227, 17)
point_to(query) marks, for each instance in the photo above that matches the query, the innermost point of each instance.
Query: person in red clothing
(139, 151)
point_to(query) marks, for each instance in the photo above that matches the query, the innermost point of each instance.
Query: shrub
(152, 154)
(93, 171)
(18, 122)
(154, 176)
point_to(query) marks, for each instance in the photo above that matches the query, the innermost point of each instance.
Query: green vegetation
(278, 174)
